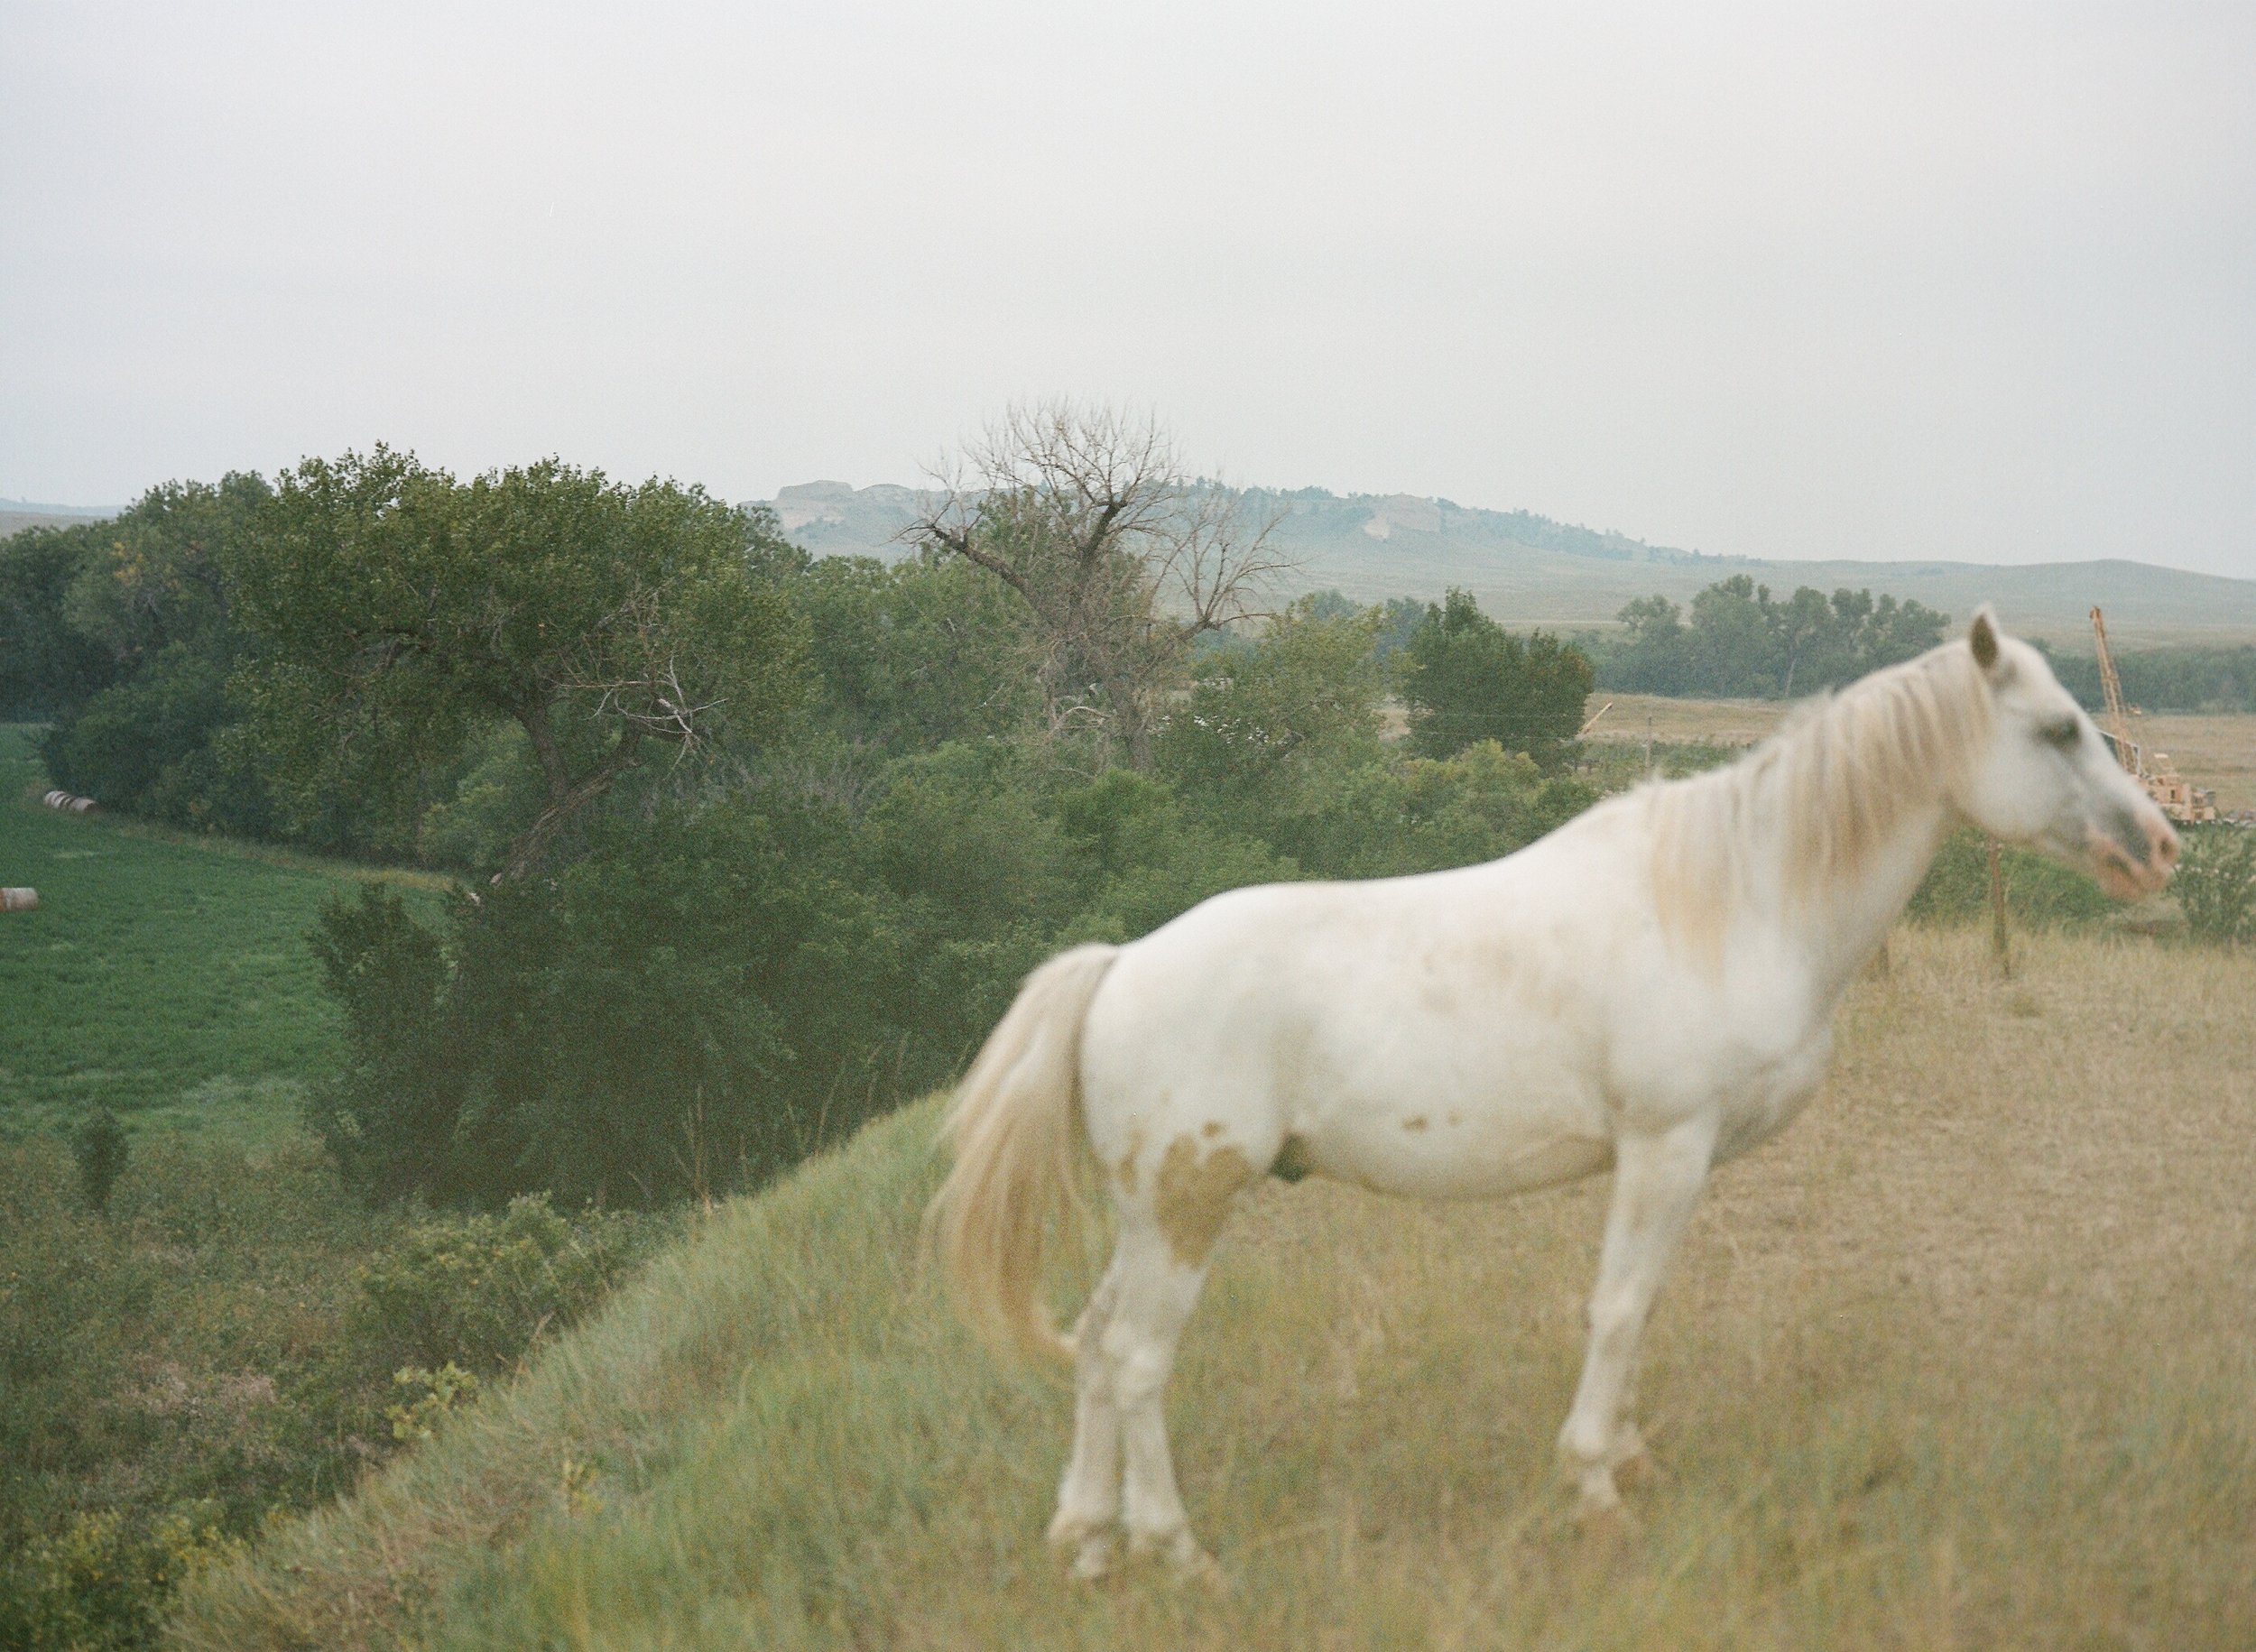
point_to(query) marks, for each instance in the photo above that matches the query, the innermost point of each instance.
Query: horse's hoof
(1197, 1570)
(1096, 1559)
(1606, 1526)
(1637, 1472)
(1186, 1562)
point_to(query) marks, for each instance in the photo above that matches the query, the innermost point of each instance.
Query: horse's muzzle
(2136, 859)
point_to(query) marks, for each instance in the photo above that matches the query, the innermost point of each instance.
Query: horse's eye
(2064, 734)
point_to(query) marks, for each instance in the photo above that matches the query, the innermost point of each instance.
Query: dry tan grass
(1962, 1360)
(1716, 722)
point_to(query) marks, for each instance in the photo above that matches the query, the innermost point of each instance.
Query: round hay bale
(19, 899)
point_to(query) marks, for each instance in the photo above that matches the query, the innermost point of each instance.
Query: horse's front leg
(1657, 1180)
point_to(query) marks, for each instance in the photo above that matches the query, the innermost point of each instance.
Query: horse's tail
(1015, 1131)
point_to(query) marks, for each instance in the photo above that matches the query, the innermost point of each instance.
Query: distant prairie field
(2215, 751)
(1964, 1359)
(164, 975)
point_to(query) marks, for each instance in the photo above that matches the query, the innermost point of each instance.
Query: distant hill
(1528, 569)
(17, 514)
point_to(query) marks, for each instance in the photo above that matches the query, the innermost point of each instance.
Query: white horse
(1650, 990)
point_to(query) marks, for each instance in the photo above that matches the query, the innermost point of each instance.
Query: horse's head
(2047, 779)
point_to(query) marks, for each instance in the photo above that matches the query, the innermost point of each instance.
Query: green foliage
(2039, 892)
(1742, 641)
(489, 796)
(428, 1398)
(1310, 685)
(99, 1148)
(226, 1345)
(167, 1374)
(918, 653)
(1468, 679)
(153, 744)
(1150, 860)
(48, 667)
(707, 988)
(400, 613)
(2196, 680)
(100, 1581)
(470, 1291)
(149, 594)
(2215, 884)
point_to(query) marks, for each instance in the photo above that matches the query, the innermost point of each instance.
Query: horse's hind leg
(1158, 1288)
(1088, 1502)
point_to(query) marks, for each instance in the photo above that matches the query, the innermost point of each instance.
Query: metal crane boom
(2118, 720)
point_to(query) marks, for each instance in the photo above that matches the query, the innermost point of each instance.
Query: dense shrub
(471, 1291)
(2215, 884)
(1149, 859)
(100, 1149)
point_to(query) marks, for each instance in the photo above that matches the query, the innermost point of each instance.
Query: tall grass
(1962, 1360)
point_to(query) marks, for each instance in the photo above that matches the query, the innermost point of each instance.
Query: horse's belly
(1445, 1154)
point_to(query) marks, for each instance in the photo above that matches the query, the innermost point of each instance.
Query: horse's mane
(1811, 804)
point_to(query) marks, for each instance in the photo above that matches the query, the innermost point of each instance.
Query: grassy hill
(1528, 569)
(1962, 1358)
(164, 975)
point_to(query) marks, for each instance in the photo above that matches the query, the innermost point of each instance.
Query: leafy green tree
(917, 654)
(48, 667)
(1311, 683)
(702, 998)
(150, 594)
(397, 613)
(1468, 680)
(1151, 859)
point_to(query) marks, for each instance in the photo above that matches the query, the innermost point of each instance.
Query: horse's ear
(1983, 639)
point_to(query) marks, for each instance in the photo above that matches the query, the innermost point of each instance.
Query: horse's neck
(1842, 927)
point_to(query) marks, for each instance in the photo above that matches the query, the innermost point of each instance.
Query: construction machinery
(2178, 797)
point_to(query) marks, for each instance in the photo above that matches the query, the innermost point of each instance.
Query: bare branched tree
(1123, 559)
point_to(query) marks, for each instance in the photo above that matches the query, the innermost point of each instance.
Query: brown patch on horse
(1192, 1198)
(1212, 1128)
(1417, 1121)
(1126, 1169)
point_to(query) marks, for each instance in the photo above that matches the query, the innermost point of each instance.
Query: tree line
(1740, 641)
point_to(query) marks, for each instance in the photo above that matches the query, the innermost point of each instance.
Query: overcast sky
(1966, 281)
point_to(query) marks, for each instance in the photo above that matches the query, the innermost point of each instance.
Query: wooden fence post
(1997, 940)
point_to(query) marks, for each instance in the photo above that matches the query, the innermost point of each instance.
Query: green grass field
(1962, 1360)
(164, 975)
